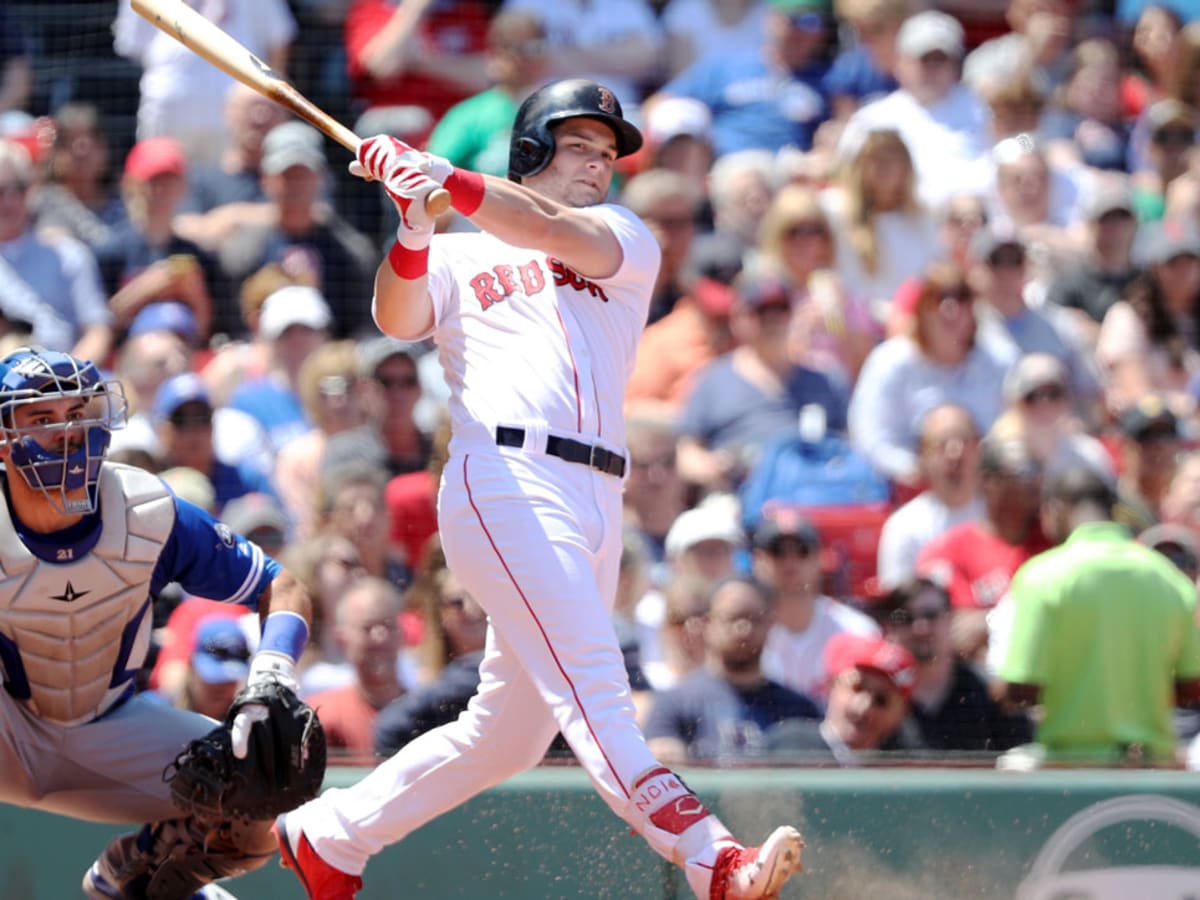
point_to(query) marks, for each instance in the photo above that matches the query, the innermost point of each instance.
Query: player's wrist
(408, 262)
(285, 634)
(269, 665)
(466, 190)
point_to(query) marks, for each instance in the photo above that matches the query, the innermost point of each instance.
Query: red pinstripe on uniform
(541, 630)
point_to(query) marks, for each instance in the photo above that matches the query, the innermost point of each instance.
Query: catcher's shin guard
(174, 860)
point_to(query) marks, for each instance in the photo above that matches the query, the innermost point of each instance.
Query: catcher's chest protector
(74, 632)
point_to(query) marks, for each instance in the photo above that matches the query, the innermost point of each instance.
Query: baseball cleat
(321, 881)
(757, 873)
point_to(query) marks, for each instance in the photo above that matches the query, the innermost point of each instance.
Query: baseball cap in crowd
(155, 156)
(1163, 240)
(674, 117)
(754, 292)
(715, 255)
(1107, 199)
(292, 144)
(780, 523)
(1167, 114)
(221, 653)
(845, 651)
(987, 243)
(1149, 417)
(178, 390)
(1176, 543)
(930, 32)
(165, 315)
(258, 517)
(375, 352)
(707, 522)
(1031, 373)
(295, 304)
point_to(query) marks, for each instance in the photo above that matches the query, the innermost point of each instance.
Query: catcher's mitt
(283, 768)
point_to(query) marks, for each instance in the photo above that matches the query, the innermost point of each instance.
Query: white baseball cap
(674, 117)
(296, 304)
(928, 32)
(707, 522)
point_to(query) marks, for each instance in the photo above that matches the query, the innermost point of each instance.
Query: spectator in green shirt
(1103, 635)
(475, 133)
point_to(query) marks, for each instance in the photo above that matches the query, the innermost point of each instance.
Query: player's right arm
(513, 213)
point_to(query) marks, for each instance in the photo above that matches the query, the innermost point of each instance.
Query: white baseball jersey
(525, 340)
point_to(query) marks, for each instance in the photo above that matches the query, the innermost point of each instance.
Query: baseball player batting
(83, 545)
(536, 319)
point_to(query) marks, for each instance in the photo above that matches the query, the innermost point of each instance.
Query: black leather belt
(572, 451)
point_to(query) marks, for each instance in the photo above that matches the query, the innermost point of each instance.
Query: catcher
(83, 545)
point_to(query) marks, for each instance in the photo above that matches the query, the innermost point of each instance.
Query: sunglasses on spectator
(1151, 435)
(936, 58)
(1010, 260)
(389, 382)
(810, 22)
(781, 549)
(1051, 393)
(904, 618)
(806, 229)
(13, 188)
(1177, 137)
(192, 420)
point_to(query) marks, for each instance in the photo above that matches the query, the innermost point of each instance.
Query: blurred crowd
(929, 308)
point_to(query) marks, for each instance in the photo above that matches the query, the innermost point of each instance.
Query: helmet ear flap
(528, 155)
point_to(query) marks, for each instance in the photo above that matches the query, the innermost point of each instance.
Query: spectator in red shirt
(368, 630)
(975, 560)
(433, 60)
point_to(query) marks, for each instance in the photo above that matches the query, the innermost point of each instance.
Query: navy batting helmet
(58, 452)
(532, 145)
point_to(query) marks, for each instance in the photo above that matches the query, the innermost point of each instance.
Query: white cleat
(758, 873)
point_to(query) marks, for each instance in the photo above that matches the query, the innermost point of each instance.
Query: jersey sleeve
(642, 255)
(208, 559)
(1026, 661)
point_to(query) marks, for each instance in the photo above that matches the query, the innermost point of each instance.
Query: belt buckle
(594, 461)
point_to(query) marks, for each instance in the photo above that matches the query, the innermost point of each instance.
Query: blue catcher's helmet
(58, 450)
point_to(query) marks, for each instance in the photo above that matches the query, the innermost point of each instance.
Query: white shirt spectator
(794, 658)
(183, 95)
(911, 527)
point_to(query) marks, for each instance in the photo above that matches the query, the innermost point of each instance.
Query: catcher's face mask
(56, 418)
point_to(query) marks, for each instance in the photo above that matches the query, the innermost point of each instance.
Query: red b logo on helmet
(607, 102)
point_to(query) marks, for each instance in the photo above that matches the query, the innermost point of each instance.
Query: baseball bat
(208, 41)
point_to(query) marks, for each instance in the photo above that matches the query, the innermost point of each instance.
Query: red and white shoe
(757, 873)
(321, 880)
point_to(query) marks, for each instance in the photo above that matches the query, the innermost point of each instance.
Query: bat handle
(437, 201)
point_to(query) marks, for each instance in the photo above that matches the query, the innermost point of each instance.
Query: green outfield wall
(891, 834)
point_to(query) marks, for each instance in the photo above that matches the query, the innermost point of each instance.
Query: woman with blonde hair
(832, 329)
(884, 235)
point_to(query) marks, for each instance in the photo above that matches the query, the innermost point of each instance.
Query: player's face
(55, 425)
(581, 170)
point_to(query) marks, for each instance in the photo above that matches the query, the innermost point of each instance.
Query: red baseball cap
(850, 651)
(155, 156)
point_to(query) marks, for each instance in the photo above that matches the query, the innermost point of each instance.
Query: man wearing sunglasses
(951, 705)
(770, 97)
